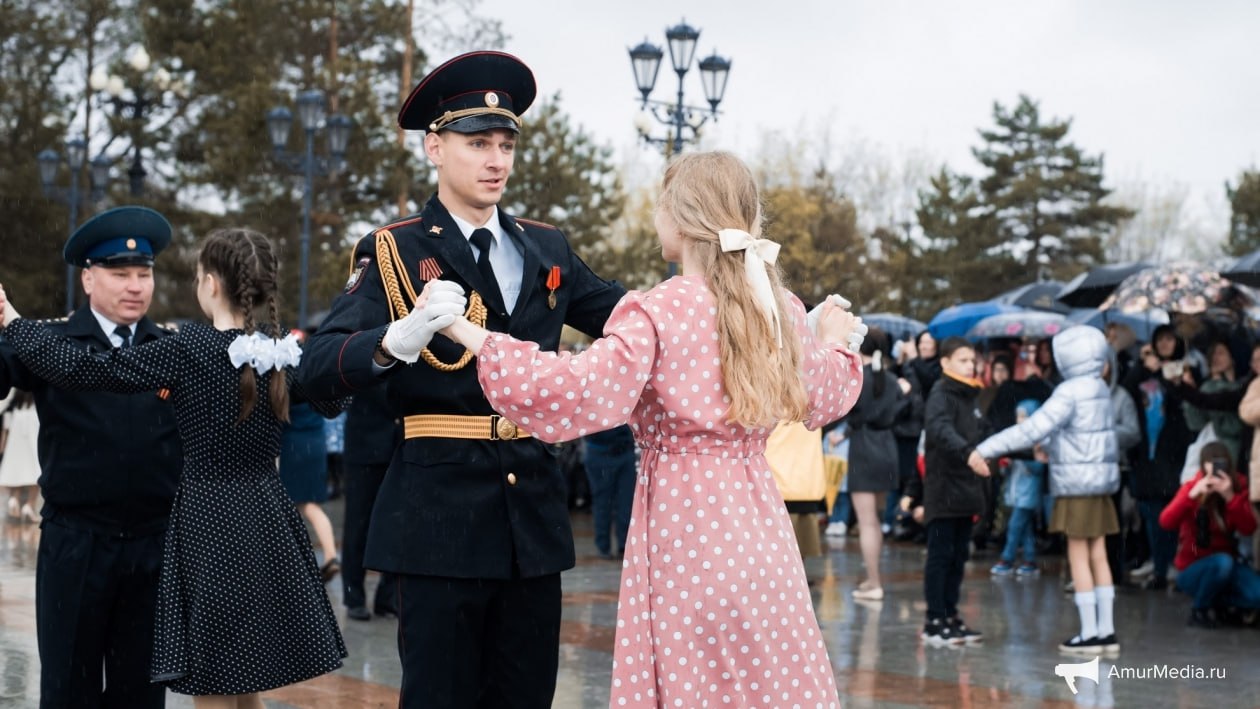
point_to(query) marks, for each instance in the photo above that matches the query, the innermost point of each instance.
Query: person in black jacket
(952, 493)
(109, 467)
(372, 435)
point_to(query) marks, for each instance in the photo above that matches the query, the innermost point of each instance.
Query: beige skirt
(1086, 517)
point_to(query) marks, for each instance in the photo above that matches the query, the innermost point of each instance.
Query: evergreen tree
(822, 251)
(1244, 215)
(1044, 193)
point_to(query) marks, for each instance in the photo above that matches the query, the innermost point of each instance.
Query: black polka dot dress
(241, 606)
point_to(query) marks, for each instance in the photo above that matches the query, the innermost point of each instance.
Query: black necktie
(125, 333)
(481, 239)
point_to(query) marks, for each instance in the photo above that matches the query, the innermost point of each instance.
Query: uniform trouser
(95, 602)
(360, 484)
(478, 643)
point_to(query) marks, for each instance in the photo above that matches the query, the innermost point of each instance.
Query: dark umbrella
(898, 327)
(1143, 324)
(1246, 270)
(1038, 296)
(1091, 288)
(1181, 287)
(958, 319)
(1036, 324)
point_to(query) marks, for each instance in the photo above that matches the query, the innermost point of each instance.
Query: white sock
(1086, 606)
(1106, 596)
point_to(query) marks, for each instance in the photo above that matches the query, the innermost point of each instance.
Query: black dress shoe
(358, 613)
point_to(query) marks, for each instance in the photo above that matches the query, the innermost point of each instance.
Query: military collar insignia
(435, 230)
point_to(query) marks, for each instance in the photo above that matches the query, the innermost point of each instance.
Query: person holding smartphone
(1207, 512)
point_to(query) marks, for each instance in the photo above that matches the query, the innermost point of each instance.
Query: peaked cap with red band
(473, 92)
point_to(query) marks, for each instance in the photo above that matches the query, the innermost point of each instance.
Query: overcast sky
(1168, 91)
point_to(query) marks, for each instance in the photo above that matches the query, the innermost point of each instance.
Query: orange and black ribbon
(553, 282)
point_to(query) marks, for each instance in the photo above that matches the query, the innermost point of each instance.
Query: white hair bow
(757, 253)
(264, 353)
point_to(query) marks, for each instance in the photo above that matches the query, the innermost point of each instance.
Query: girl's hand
(10, 313)
(1202, 487)
(978, 464)
(838, 326)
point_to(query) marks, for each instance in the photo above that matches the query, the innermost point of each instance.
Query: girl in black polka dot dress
(241, 606)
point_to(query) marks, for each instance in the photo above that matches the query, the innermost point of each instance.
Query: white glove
(811, 318)
(405, 338)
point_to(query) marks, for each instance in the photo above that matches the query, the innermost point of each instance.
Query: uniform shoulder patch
(356, 275)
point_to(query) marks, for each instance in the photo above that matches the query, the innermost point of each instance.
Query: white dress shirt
(505, 257)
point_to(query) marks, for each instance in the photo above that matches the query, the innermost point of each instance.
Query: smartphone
(1173, 370)
(1220, 467)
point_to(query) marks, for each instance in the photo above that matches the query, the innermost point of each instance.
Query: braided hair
(245, 263)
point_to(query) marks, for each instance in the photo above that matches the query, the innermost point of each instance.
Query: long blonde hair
(704, 193)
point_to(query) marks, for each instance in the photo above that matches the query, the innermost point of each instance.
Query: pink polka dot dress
(714, 610)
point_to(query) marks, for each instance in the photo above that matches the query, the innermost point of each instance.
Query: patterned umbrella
(1091, 288)
(1246, 270)
(898, 327)
(1036, 324)
(1143, 324)
(1180, 287)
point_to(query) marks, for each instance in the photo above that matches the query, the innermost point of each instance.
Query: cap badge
(131, 243)
(492, 99)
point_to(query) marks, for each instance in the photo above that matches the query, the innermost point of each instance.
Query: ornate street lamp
(645, 60)
(310, 107)
(133, 102)
(49, 165)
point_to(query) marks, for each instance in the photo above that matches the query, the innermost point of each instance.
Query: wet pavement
(875, 648)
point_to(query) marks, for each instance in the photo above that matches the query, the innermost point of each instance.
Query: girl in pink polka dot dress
(714, 608)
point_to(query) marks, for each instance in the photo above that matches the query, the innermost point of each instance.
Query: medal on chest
(553, 283)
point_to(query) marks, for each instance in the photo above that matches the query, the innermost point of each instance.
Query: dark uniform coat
(446, 507)
(109, 464)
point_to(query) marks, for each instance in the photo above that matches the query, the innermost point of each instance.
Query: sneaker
(968, 635)
(836, 529)
(868, 594)
(1087, 646)
(1145, 569)
(1002, 568)
(885, 528)
(940, 634)
(1027, 570)
(1069, 588)
(1155, 584)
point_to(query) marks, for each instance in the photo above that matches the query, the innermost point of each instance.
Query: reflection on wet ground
(875, 647)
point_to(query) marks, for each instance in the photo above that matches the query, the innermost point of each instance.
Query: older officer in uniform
(110, 464)
(472, 513)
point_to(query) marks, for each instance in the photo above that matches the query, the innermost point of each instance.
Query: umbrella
(1038, 296)
(1246, 270)
(1182, 287)
(1029, 323)
(1143, 324)
(1091, 288)
(958, 319)
(898, 327)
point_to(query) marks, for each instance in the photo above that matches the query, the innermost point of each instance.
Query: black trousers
(95, 602)
(947, 552)
(478, 643)
(361, 483)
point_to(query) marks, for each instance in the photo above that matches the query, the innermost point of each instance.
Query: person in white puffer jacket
(1076, 427)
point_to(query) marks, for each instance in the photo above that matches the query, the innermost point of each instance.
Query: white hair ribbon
(263, 353)
(757, 253)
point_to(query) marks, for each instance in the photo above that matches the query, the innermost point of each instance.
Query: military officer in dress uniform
(109, 467)
(472, 514)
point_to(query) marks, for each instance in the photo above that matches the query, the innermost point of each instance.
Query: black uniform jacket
(110, 462)
(451, 507)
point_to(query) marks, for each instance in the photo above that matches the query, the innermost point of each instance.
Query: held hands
(978, 465)
(10, 314)
(834, 324)
(439, 305)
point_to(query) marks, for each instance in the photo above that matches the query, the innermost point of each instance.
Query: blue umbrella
(898, 327)
(958, 319)
(1143, 324)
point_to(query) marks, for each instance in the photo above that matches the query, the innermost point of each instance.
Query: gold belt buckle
(502, 429)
